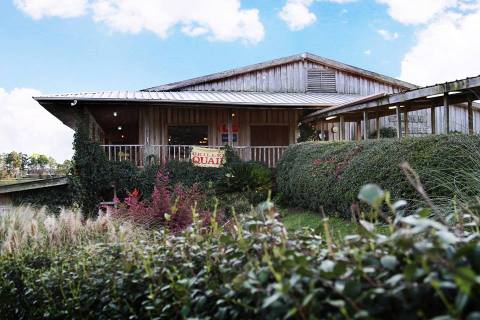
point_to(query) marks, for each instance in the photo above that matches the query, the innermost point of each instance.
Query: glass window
(188, 135)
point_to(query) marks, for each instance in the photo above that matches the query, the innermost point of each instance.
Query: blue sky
(53, 46)
(57, 55)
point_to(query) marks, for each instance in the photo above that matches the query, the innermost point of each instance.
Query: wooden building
(255, 108)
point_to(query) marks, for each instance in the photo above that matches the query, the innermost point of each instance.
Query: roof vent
(321, 81)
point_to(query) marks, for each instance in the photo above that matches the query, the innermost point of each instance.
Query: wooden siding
(154, 122)
(292, 77)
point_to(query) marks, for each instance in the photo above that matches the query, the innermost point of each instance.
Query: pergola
(461, 93)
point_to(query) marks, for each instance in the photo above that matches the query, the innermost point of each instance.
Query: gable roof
(276, 62)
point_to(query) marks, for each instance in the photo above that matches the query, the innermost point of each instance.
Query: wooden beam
(446, 116)
(342, 128)
(433, 120)
(470, 118)
(365, 125)
(411, 96)
(358, 134)
(405, 122)
(399, 123)
(377, 122)
(230, 127)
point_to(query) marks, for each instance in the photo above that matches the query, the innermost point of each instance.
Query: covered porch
(142, 126)
(448, 107)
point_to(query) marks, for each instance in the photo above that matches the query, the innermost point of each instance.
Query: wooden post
(433, 120)
(342, 128)
(470, 118)
(446, 118)
(230, 129)
(365, 125)
(377, 124)
(399, 123)
(358, 134)
(405, 122)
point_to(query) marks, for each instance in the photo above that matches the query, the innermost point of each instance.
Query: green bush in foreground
(250, 269)
(329, 175)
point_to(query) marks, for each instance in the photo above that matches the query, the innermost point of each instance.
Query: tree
(13, 161)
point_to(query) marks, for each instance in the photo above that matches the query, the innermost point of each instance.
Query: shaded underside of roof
(276, 62)
(300, 100)
(458, 92)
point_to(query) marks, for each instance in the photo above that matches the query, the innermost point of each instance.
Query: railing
(133, 153)
(137, 154)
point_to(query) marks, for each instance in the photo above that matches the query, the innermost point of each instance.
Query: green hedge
(421, 269)
(329, 175)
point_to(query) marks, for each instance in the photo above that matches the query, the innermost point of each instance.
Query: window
(321, 81)
(188, 135)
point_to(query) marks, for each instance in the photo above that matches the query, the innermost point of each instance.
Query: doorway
(269, 135)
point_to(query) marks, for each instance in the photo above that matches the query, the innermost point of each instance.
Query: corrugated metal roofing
(211, 97)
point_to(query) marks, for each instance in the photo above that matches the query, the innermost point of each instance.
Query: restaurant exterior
(256, 109)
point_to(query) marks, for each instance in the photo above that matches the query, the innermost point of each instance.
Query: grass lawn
(295, 219)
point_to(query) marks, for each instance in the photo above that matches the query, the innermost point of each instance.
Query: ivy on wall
(91, 168)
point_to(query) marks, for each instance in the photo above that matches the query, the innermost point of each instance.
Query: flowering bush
(173, 209)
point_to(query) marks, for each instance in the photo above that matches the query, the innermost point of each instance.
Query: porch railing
(138, 154)
(133, 153)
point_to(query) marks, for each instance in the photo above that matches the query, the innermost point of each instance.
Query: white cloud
(387, 35)
(445, 50)
(297, 14)
(367, 52)
(418, 11)
(38, 9)
(27, 127)
(218, 20)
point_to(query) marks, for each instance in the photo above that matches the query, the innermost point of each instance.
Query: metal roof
(175, 86)
(210, 97)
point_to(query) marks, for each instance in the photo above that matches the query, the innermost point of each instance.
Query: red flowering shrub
(169, 208)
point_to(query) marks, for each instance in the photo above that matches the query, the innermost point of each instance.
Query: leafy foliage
(170, 208)
(252, 268)
(385, 132)
(329, 175)
(91, 168)
(53, 198)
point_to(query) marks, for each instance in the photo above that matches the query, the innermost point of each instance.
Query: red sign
(224, 127)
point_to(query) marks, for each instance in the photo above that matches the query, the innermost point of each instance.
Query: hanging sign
(207, 157)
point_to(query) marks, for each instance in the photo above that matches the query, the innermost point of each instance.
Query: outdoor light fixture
(119, 128)
(392, 107)
(330, 118)
(115, 114)
(123, 136)
(233, 115)
(73, 103)
(454, 92)
(435, 96)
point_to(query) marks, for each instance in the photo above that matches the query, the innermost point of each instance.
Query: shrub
(185, 173)
(385, 132)
(172, 208)
(329, 175)
(54, 198)
(420, 269)
(253, 179)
